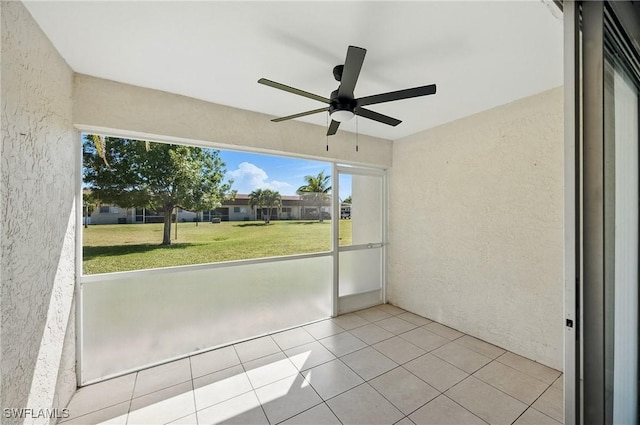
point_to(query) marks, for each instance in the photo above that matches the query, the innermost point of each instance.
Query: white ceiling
(480, 54)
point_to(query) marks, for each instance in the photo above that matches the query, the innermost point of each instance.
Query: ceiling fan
(342, 104)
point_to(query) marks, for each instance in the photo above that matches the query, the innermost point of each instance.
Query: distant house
(293, 208)
(111, 214)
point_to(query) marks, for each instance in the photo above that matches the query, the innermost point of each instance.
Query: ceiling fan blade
(397, 95)
(293, 90)
(301, 114)
(333, 127)
(351, 71)
(367, 113)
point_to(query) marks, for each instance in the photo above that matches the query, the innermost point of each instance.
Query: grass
(122, 247)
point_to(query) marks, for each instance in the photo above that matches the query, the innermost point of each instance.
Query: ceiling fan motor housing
(341, 103)
(337, 72)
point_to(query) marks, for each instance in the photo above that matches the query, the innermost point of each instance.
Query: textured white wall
(107, 105)
(476, 236)
(37, 232)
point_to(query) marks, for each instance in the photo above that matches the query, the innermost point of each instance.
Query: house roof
(244, 196)
(287, 200)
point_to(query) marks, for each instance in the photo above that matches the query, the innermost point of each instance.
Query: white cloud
(248, 177)
(278, 185)
(250, 174)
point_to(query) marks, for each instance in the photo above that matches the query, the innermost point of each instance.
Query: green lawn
(120, 247)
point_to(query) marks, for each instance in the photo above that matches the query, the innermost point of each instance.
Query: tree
(272, 199)
(347, 200)
(256, 199)
(316, 191)
(265, 198)
(139, 174)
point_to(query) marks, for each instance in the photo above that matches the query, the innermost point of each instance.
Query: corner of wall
(37, 240)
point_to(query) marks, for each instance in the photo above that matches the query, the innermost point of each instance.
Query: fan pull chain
(357, 133)
(327, 132)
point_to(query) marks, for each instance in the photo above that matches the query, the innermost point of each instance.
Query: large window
(179, 205)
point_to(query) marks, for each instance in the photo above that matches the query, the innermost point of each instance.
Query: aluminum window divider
(335, 239)
(593, 264)
(78, 264)
(572, 322)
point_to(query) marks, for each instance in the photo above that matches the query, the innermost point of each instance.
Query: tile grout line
(383, 396)
(538, 398)
(96, 411)
(299, 373)
(438, 323)
(525, 373)
(498, 389)
(240, 364)
(305, 410)
(319, 364)
(454, 401)
(447, 361)
(417, 377)
(345, 353)
(104, 407)
(477, 351)
(542, 413)
(355, 327)
(253, 389)
(531, 407)
(367, 381)
(521, 372)
(314, 390)
(504, 392)
(331, 410)
(384, 339)
(340, 393)
(419, 407)
(520, 415)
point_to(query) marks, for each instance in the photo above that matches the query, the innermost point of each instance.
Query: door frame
(364, 171)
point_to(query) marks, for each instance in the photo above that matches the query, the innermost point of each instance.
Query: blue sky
(252, 171)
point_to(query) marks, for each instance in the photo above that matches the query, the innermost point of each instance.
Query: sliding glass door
(621, 241)
(602, 84)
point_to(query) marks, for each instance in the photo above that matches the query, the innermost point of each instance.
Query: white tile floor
(381, 365)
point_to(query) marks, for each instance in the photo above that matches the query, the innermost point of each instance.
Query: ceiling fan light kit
(342, 115)
(343, 106)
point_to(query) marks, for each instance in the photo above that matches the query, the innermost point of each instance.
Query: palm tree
(316, 191)
(265, 198)
(272, 199)
(100, 143)
(256, 199)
